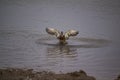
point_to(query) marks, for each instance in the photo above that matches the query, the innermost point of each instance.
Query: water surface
(25, 44)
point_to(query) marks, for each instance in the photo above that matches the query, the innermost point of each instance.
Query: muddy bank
(29, 74)
(118, 77)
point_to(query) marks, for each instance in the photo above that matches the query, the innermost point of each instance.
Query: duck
(60, 35)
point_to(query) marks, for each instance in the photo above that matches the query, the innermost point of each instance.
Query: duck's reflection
(71, 49)
(61, 51)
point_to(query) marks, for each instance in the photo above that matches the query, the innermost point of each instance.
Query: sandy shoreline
(30, 74)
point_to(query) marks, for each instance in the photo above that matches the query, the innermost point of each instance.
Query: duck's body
(60, 36)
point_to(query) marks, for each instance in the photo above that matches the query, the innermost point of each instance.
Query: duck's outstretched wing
(53, 31)
(71, 33)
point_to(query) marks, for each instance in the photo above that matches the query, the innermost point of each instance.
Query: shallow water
(26, 49)
(25, 44)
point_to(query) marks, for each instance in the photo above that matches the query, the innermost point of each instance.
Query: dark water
(25, 44)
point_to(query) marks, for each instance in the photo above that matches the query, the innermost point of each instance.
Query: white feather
(53, 31)
(71, 33)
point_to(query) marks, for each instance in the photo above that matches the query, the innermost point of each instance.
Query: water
(25, 44)
(27, 49)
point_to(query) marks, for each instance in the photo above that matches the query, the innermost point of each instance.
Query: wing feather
(53, 31)
(71, 33)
